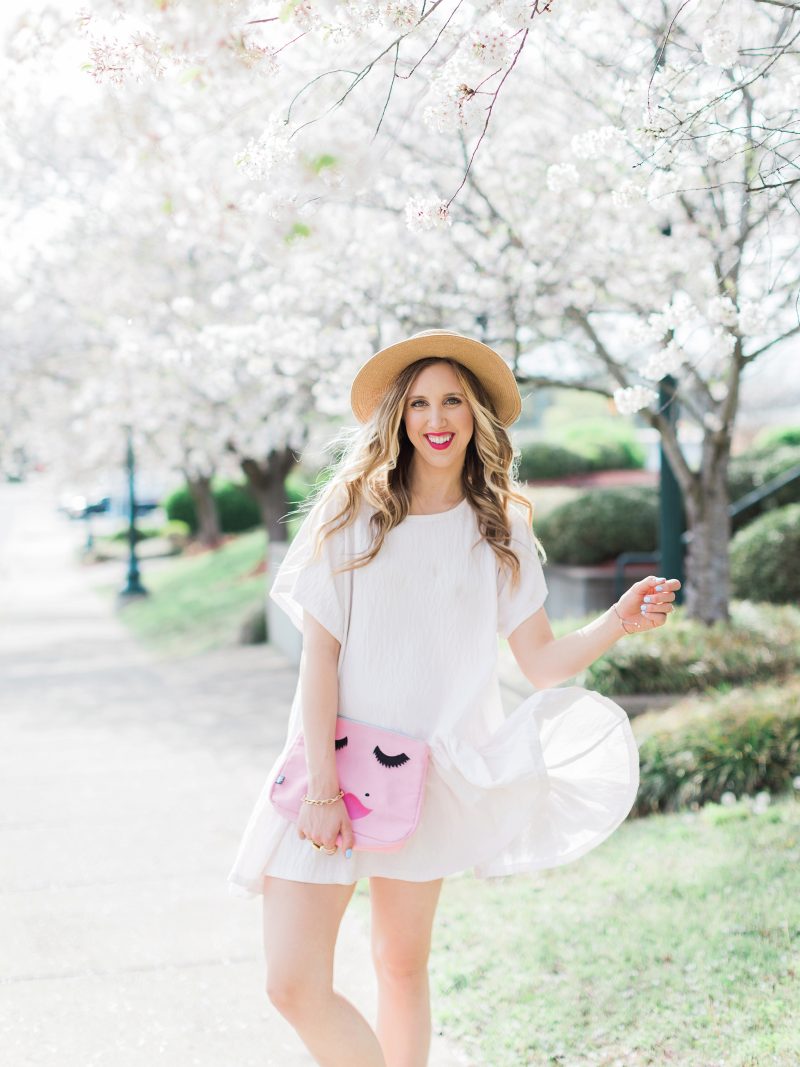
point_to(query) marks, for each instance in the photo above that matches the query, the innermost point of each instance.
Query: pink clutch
(382, 773)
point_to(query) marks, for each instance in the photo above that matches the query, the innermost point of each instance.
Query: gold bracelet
(330, 800)
(622, 621)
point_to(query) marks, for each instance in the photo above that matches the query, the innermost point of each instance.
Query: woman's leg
(301, 922)
(402, 922)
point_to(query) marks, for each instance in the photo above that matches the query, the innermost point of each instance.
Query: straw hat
(375, 376)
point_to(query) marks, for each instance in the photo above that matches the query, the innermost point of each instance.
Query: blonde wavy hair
(375, 460)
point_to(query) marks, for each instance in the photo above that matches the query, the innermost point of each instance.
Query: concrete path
(124, 786)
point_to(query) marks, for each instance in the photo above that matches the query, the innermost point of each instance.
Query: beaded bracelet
(330, 800)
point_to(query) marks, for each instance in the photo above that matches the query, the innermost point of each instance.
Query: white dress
(419, 629)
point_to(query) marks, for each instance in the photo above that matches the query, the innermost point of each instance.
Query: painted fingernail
(349, 853)
(659, 588)
(647, 599)
(643, 610)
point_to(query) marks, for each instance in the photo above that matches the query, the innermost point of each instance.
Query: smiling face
(437, 417)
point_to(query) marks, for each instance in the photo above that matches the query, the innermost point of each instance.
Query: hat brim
(375, 376)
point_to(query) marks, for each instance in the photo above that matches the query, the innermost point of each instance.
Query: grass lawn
(675, 941)
(199, 602)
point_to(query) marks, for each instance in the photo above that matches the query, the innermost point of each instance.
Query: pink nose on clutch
(355, 809)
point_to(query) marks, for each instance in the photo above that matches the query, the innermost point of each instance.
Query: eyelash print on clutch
(390, 761)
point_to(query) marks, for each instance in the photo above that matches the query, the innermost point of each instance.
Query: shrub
(539, 460)
(740, 742)
(765, 557)
(751, 470)
(773, 437)
(176, 530)
(595, 527)
(238, 511)
(760, 643)
(608, 445)
(179, 506)
(141, 533)
(237, 507)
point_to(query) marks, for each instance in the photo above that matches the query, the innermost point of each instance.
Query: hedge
(760, 643)
(237, 508)
(765, 557)
(740, 742)
(540, 461)
(596, 526)
(751, 470)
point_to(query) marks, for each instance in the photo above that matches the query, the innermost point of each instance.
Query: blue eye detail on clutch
(390, 761)
(281, 778)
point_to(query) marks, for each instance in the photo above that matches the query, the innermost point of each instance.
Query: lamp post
(671, 515)
(133, 586)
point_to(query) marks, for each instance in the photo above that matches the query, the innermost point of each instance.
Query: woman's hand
(646, 604)
(322, 823)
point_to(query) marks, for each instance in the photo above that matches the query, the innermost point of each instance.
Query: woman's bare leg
(402, 923)
(301, 923)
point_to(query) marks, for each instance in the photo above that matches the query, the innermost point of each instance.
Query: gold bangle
(622, 622)
(330, 800)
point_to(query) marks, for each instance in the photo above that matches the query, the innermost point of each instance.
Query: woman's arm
(546, 661)
(326, 824)
(319, 683)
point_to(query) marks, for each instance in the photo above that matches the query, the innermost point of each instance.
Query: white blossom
(680, 311)
(516, 13)
(491, 46)
(606, 141)
(722, 310)
(454, 102)
(262, 153)
(667, 361)
(399, 14)
(664, 183)
(581, 293)
(629, 192)
(761, 802)
(728, 798)
(752, 318)
(721, 146)
(722, 345)
(426, 214)
(632, 399)
(712, 421)
(720, 48)
(562, 176)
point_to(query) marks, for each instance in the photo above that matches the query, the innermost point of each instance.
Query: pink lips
(439, 447)
(355, 809)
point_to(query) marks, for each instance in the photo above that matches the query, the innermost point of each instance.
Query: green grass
(198, 602)
(676, 941)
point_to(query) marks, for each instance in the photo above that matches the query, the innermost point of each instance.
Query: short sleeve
(515, 605)
(303, 583)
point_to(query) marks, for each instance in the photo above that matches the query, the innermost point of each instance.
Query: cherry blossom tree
(627, 214)
(624, 253)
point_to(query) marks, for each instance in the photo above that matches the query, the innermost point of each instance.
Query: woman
(415, 555)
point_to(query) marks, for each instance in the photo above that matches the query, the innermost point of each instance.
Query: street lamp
(133, 586)
(672, 516)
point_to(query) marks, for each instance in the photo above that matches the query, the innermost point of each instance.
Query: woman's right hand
(322, 823)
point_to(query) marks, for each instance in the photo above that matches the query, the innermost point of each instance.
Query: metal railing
(744, 502)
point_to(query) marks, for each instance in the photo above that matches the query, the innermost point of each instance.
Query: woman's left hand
(647, 603)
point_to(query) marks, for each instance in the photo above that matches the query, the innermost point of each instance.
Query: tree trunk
(265, 480)
(709, 530)
(208, 527)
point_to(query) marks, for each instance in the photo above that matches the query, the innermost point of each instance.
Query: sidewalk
(124, 787)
